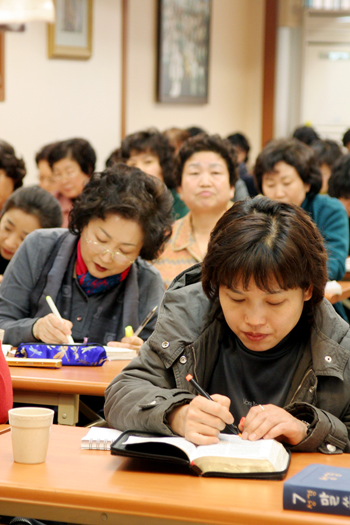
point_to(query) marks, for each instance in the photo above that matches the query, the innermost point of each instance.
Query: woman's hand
(52, 330)
(201, 421)
(270, 421)
(133, 342)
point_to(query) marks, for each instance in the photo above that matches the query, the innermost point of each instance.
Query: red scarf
(91, 284)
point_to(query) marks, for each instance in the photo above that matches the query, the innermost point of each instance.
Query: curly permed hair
(128, 192)
(14, 167)
(205, 142)
(153, 141)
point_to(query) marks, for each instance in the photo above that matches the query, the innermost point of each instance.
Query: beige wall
(236, 69)
(49, 100)
(55, 99)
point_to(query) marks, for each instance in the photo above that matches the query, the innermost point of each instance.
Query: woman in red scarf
(96, 272)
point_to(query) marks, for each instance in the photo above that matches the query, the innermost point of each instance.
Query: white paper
(99, 438)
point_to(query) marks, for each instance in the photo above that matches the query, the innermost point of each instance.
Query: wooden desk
(334, 298)
(62, 386)
(93, 487)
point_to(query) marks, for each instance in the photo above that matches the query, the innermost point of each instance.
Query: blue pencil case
(85, 354)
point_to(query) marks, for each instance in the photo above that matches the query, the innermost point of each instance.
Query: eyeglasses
(101, 250)
(65, 174)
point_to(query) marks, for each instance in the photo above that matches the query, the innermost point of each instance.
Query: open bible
(231, 457)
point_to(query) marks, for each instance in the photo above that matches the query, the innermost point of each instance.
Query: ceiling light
(22, 11)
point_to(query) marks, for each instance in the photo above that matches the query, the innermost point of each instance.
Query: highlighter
(129, 332)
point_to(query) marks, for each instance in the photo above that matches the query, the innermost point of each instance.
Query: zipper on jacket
(309, 372)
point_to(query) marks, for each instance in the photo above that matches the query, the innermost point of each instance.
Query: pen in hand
(205, 394)
(57, 314)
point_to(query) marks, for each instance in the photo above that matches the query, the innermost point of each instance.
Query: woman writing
(26, 210)
(252, 326)
(96, 272)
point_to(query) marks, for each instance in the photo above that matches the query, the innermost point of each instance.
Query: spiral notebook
(99, 438)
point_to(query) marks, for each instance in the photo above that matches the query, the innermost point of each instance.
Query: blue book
(319, 488)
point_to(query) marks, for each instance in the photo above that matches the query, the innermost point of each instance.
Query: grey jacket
(187, 339)
(105, 315)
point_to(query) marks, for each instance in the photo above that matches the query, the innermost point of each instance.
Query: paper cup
(30, 429)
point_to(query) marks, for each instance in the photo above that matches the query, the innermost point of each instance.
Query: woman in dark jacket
(96, 272)
(253, 328)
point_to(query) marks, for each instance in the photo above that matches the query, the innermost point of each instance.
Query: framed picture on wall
(71, 35)
(183, 51)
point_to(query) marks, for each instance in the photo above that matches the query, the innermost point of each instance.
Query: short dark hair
(326, 151)
(346, 138)
(306, 134)
(239, 140)
(195, 130)
(294, 153)
(158, 144)
(176, 136)
(79, 150)
(268, 242)
(130, 193)
(339, 181)
(204, 142)
(36, 201)
(113, 158)
(44, 152)
(13, 166)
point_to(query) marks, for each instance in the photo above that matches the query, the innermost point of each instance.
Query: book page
(115, 353)
(186, 446)
(231, 446)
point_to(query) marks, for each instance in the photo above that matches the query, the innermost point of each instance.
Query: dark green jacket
(332, 221)
(186, 340)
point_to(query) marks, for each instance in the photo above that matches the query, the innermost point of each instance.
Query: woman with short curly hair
(96, 272)
(206, 176)
(151, 151)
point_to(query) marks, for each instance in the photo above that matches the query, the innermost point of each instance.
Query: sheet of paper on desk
(7, 350)
(114, 353)
(333, 287)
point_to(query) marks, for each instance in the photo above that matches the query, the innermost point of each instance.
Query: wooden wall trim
(2, 66)
(124, 81)
(270, 37)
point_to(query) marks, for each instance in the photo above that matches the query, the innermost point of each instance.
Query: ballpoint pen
(128, 329)
(205, 394)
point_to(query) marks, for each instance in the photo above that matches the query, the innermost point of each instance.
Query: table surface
(83, 380)
(333, 298)
(90, 487)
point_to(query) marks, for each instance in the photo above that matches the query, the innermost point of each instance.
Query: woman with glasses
(96, 273)
(72, 163)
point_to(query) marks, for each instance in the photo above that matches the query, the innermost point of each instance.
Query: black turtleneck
(250, 378)
(3, 264)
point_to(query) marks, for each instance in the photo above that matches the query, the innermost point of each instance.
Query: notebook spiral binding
(99, 444)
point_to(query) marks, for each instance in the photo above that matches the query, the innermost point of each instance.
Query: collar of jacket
(184, 239)
(185, 305)
(181, 316)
